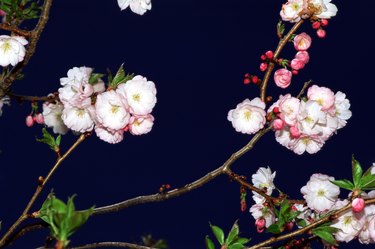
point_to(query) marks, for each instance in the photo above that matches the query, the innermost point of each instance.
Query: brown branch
(282, 43)
(305, 229)
(21, 98)
(188, 187)
(24, 230)
(112, 244)
(305, 85)
(25, 214)
(5, 26)
(33, 40)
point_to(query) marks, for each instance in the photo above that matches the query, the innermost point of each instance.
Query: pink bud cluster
(36, 118)
(84, 106)
(305, 125)
(283, 76)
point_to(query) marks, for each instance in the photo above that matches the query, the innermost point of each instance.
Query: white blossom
(349, 225)
(342, 111)
(141, 125)
(320, 194)
(259, 211)
(249, 116)
(111, 110)
(137, 6)
(52, 117)
(12, 50)
(109, 136)
(140, 95)
(79, 119)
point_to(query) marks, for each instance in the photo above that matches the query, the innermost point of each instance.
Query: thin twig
(25, 214)
(21, 98)
(305, 229)
(282, 43)
(24, 230)
(5, 26)
(306, 85)
(187, 188)
(112, 244)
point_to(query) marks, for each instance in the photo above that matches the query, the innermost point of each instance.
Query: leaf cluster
(20, 9)
(232, 241)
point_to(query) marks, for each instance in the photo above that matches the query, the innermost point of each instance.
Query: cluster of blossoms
(137, 6)
(85, 106)
(305, 125)
(295, 10)
(300, 125)
(12, 50)
(261, 211)
(283, 76)
(321, 197)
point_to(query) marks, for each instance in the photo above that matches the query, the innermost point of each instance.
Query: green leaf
(236, 246)
(356, 172)
(233, 234)
(95, 77)
(242, 241)
(325, 233)
(219, 234)
(49, 140)
(345, 184)
(368, 179)
(209, 243)
(120, 77)
(276, 228)
(58, 140)
(280, 28)
(302, 223)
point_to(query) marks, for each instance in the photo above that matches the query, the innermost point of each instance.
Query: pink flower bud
(294, 72)
(289, 226)
(263, 67)
(39, 118)
(283, 77)
(321, 33)
(303, 56)
(324, 22)
(29, 121)
(294, 132)
(358, 204)
(316, 25)
(269, 54)
(243, 205)
(297, 64)
(278, 124)
(302, 42)
(260, 224)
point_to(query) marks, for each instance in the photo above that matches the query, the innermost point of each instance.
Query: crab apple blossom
(304, 143)
(109, 136)
(303, 56)
(77, 76)
(263, 179)
(289, 108)
(290, 11)
(137, 6)
(323, 8)
(79, 119)
(141, 125)
(140, 95)
(302, 42)
(322, 95)
(111, 110)
(259, 211)
(12, 50)
(283, 77)
(349, 226)
(52, 117)
(3, 101)
(320, 194)
(342, 111)
(297, 64)
(249, 116)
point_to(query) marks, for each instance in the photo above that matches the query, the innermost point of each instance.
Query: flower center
(80, 113)
(347, 220)
(115, 109)
(6, 46)
(321, 193)
(247, 115)
(136, 97)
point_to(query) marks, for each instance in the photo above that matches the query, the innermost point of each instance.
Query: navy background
(196, 52)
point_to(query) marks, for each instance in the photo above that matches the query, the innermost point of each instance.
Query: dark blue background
(196, 52)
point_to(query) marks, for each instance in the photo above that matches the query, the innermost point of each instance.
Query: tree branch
(25, 214)
(113, 244)
(5, 26)
(282, 43)
(188, 187)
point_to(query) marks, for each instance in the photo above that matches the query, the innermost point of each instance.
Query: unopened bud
(263, 66)
(316, 25)
(358, 204)
(39, 118)
(29, 121)
(324, 22)
(321, 33)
